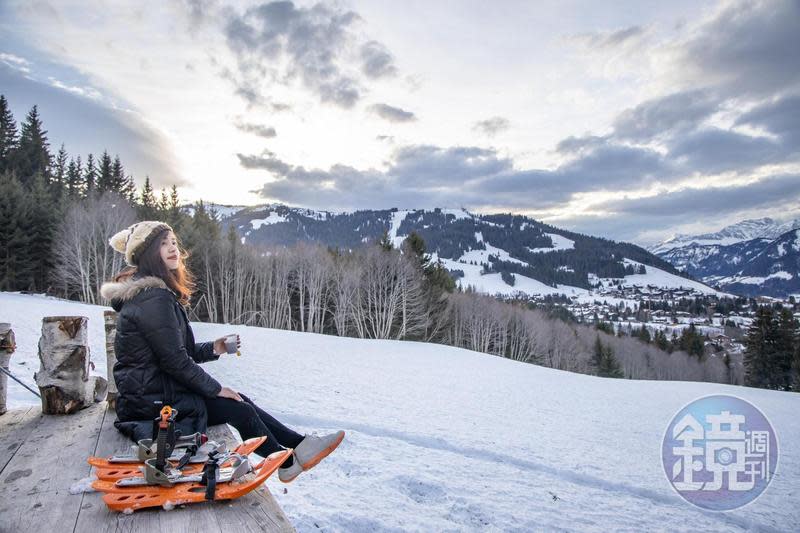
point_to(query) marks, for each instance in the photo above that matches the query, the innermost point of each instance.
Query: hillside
(479, 250)
(445, 439)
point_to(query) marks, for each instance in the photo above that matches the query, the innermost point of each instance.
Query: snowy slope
(659, 278)
(444, 439)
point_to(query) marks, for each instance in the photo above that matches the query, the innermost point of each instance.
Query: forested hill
(509, 243)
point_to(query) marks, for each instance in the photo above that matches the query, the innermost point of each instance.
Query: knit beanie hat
(136, 238)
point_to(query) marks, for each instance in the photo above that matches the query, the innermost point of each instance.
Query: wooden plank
(255, 512)
(34, 485)
(15, 427)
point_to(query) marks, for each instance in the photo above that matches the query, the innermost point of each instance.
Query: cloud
(15, 62)
(492, 126)
(606, 168)
(747, 48)
(780, 117)
(714, 151)
(377, 61)
(86, 92)
(463, 174)
(712, 201)
(258, 129)
(392, 114)
(316, 43)
(668, 114)
(575, 145)
(610, 39)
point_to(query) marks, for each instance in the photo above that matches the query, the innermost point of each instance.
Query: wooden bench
(43, 456)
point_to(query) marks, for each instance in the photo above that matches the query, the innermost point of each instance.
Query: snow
(223, 211)
(493, 283)
(397, 219)
(273, 218)
(660, 278)
(755, 280)
(559, 243)
(445, 439)
(482, 256)
(458, 213)
(82, 485)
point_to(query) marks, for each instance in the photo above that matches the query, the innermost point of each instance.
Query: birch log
(63, 377)
(110, 318)
(7, 347)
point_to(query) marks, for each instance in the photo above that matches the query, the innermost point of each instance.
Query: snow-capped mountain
(740, 258)
(774, 270)
(765, 228)
(499, 253)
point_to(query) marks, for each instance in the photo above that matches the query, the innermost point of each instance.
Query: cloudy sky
(634, 122)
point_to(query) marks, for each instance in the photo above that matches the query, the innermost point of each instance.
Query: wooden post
(7, 347)
(110, 318)
(63, 377)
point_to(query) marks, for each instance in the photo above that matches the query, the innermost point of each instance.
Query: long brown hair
(149, 263)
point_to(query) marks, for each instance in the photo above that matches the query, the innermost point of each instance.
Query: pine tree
(385, 242)
(129, 190)
(8, 136)
(759, 349)
(42, 225)
(163, 203)
(104, 174)
(90, 178)
(796, 366)
(32, 155)
(691, 341)
(147, 201)
(74, 182)
(604, 362)
(117, 176)
(174, 217)
(60, 173)
(16, 264)
(781, 365)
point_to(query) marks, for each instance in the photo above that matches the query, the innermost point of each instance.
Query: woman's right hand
(226, 392)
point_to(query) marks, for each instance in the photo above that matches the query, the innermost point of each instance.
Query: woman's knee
(241, 411)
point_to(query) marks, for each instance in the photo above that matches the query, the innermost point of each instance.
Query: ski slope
(445, 439)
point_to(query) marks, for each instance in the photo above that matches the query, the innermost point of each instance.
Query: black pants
(252, 421)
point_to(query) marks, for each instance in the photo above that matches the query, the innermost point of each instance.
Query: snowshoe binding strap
(165, 441)
(209, 479)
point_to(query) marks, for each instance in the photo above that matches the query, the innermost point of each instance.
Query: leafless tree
(83, 257)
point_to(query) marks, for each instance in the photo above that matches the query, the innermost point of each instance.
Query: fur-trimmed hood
(120, 292)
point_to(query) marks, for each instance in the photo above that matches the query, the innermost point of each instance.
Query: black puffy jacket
(157, 358)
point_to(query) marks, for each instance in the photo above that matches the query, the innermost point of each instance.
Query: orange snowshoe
(211, 487)
(108, 471)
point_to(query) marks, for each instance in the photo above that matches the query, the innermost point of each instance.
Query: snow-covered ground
(494, 284)
(660, 278)
(273, 218)
(445, 439)
(559, 243)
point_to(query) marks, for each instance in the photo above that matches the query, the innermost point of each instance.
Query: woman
(157, 357)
